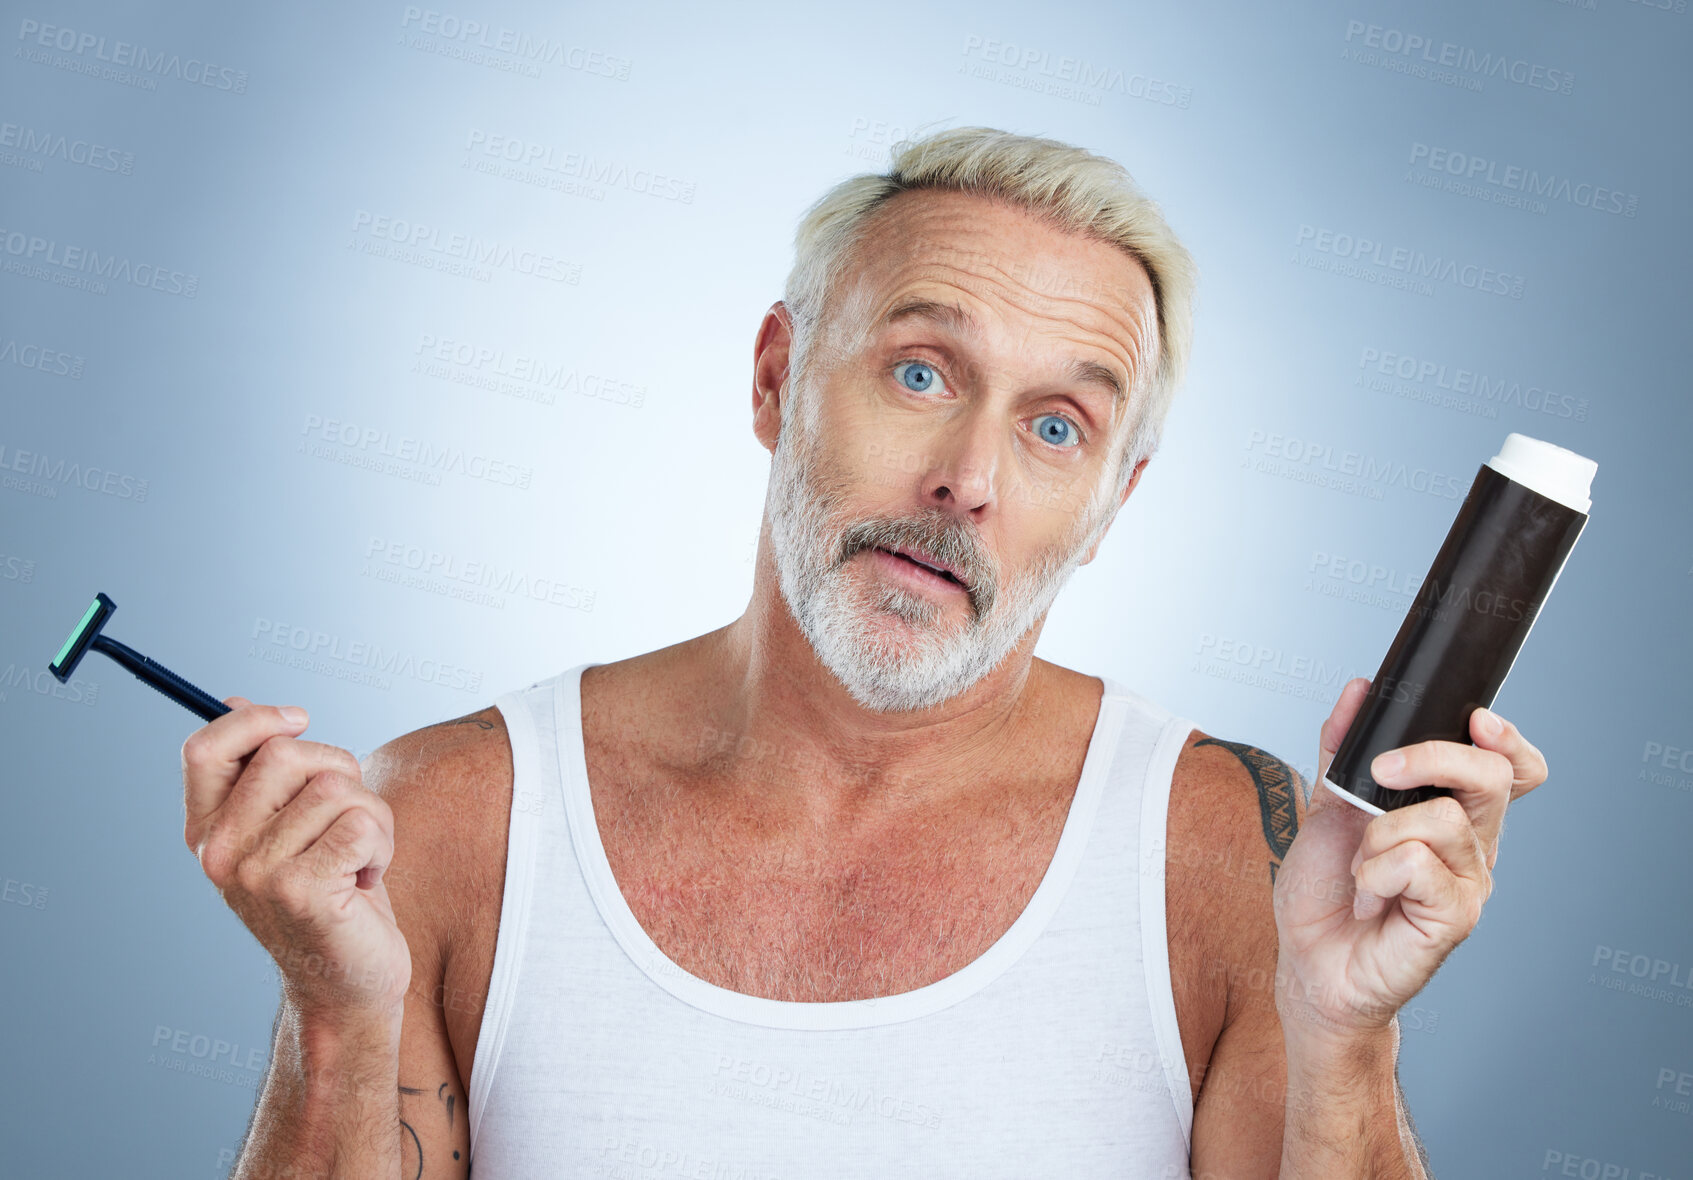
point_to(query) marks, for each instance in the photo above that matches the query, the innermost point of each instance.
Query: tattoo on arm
(1276, 782)
(450, 1101)
(417, 1144)
(467, 719)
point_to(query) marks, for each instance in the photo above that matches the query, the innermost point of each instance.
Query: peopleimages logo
(406, 454)
(34, 256)
(1464, 172)
(1272, 669)
(356, 660)
(1363, 253)
(1354, 472)
(412, 240)
(46, 473)
(1380, 369)
(1365, 575)
(455, 577)
(43, 683)
(1034, 64)
(473, 41)
(845, 1096)
(543, 163)
(484, 367)
(35, 144)
(92, 47)
(1422, 56)
(29, 355)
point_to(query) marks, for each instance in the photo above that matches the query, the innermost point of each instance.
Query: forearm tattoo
(409, 1135)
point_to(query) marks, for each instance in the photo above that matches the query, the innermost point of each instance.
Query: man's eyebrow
(1094, 373)
(950, 315)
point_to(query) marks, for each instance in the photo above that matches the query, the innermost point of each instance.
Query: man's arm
(1346, 1115)
(1274, 1102)
(376, 1098)
(327, 1108)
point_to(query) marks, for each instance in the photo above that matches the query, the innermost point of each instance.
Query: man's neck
(783, 722)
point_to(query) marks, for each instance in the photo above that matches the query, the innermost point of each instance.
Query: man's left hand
(1352, 956)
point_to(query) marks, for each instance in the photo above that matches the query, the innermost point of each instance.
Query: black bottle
(1472, 613)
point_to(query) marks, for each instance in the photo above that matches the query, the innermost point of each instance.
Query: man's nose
(963, 462)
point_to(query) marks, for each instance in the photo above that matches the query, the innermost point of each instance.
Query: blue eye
(918, 376)
(1059, 432)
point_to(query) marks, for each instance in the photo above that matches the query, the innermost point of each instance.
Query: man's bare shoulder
(647, 708)
(449, 785)
(1260, 797)
(1235, 810)
(455, 766)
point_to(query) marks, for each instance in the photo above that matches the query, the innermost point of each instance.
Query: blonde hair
(1073, 188)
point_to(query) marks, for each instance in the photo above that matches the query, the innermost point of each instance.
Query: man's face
(960, 402)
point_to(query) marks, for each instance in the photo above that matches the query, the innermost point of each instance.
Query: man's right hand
(296, 845)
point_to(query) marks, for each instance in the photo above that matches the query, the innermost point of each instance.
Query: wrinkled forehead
(1020, 271)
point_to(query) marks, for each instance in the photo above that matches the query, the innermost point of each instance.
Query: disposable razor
(87, 637)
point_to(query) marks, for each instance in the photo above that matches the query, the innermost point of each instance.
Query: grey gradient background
(170, 449)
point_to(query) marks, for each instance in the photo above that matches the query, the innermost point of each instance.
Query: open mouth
(927, 569)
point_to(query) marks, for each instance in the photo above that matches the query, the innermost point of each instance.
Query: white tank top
(1055, 1053)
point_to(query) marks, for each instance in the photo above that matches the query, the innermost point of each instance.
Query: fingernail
(1357, 859)
(1490, 722)
(1387, 765)
(293, 714)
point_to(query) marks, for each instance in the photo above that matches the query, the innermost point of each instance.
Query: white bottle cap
(1547, 468)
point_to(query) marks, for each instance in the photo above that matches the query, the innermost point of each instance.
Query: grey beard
(930, 659)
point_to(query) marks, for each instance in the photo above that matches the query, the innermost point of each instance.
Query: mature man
(855, 885)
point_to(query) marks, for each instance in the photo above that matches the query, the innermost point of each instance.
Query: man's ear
(770, 373)
(1134, 478)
